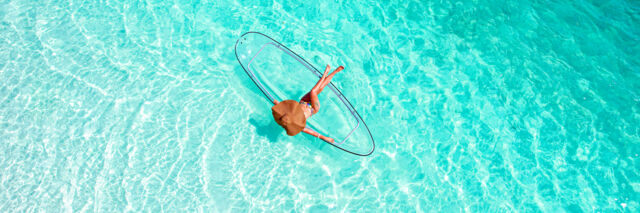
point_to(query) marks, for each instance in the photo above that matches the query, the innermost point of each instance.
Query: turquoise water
(475, 106)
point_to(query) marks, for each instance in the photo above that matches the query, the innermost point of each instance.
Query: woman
(292, 115)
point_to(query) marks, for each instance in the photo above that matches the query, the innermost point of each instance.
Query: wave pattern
(475, 106)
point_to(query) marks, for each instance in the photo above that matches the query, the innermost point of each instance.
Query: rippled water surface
(475, 106)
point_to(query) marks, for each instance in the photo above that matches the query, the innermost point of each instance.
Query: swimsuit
(308, 106)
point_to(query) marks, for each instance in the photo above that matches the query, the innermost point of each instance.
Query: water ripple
(490, 106)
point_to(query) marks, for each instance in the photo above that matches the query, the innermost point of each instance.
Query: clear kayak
(282, 74)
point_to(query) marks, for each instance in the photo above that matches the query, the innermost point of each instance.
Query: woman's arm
(318, 135)
(275, 102)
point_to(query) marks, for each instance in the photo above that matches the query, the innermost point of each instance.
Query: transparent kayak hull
(282, 74)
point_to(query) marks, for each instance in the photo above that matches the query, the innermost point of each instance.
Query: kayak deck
(282, 74)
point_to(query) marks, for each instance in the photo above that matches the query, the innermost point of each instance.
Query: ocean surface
(475, 106)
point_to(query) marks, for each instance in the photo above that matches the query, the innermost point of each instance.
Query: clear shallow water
(475, 106)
